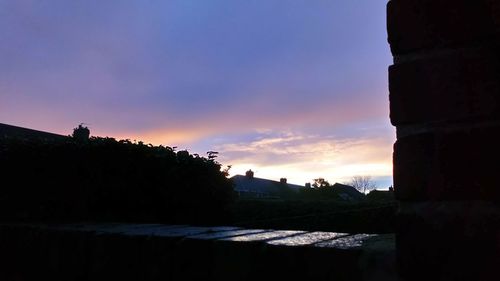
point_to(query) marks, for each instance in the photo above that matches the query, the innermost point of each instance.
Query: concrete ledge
(177, 252)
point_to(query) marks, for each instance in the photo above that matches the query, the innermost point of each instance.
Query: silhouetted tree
(212, 155)
(320, 182)
(81, 133)
(362, 183)
(106, 179)
(225, 171)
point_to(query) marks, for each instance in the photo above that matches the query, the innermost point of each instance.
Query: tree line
(361, 183)
(97, 178)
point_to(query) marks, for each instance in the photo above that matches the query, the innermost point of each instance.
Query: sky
(287, 88)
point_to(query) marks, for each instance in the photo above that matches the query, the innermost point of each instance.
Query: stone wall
(445, 103)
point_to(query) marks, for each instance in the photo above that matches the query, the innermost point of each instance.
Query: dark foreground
(179, 252)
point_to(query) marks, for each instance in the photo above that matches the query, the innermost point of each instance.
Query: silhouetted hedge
(321, 215)
(103, 179)
(381, 196)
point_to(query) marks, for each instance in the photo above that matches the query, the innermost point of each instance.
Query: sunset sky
(289, 88)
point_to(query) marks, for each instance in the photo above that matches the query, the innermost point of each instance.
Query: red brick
(448, 165)
(448, 241)
(427, 24)
(458, 85)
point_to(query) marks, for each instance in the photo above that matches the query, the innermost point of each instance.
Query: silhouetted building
(381, 195)
(249, 186)
(348, 193)
(9, 131)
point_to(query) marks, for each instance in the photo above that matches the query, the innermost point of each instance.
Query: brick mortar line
(476, 47)
(448, 207)
(403, 131)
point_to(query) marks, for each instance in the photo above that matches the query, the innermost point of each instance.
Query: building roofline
(11, 131)
(277, 182)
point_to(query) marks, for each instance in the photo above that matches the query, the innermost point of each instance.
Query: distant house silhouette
(381, 195)
(348, 193)
(249, 186)
(9, 131)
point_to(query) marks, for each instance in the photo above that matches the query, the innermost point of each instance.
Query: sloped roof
(259, 185)
(9, 131)
(349, 190)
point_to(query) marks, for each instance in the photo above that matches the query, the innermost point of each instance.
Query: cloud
(188, 73)
(302, 157)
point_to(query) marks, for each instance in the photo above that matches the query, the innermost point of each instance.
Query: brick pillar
(445, 103)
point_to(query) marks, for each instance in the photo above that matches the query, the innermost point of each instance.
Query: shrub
(103, 179)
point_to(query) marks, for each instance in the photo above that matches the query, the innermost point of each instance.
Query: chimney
(283, 180)
(249, 174)
(308, 185)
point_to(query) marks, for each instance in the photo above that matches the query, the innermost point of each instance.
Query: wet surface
(348, 242)
(226, 234)
(200, 253)
(265, 236)
(290, 238)
(177, 231)
(307, 238)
